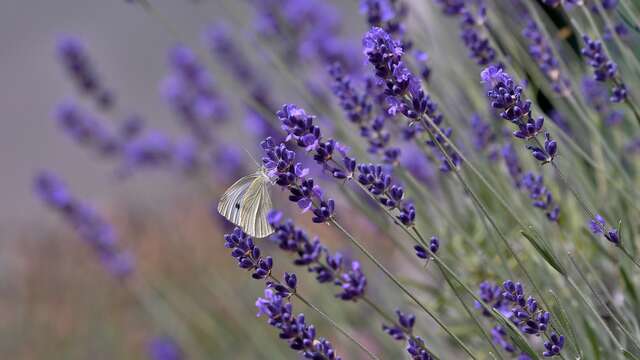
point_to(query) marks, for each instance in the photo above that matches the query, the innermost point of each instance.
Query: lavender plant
(361, 169)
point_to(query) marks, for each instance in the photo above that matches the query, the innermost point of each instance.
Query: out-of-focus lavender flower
(491, 294)
(87, 130)
(499, 336)
(190, 91)
(90, 227)
(317, 258)
(596, 94)
(478, 45)
(484, 138)
(300, 336)
(226, 162)
(512, 162)
(131, 127)
(598, 226)
(471, 25)
(185, 156)
(530, 183)
(542, 54)
(605, 70)
(150, 150)
(505, 95)
(359, 108)
(404, 93)
(75, 59)
(165, 348)
(388, 15)
(541, 196)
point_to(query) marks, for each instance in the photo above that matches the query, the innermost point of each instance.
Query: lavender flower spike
(294, 329)
(598, 226)
(605, 70)
(90, 227)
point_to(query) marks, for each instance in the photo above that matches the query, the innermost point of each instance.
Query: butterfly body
(247, 202)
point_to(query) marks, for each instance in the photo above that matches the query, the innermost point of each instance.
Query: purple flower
(247, 254)
(88, 224)
(80, 68)
(190, 91)
(505, 95)
(165, 348)
(403, 328)
(542, 54)
(605, 70)
(554, 345)
(300, 336)
(598, 226)
(87, 130)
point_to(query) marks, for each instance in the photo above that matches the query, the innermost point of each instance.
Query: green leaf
(629, 355)
(629, 285)
(593, 340)
(546, 254)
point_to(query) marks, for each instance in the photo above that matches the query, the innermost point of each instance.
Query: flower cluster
(90, 227)
(402, 330)
(524, 312)
(542, 54)
(604, 70)
(483, 137)
(276, 303)
(597, 96)
(75, 59)
(165, 348)
(317, 258)
(294, 329)
(190, 91)
(300, 128)
(404, 93)
(279, 162)
(598, 226)
(421, 251)
(505, 95)
(379, 184)
(471, 23)
(87, 130)
(248, 254)
(359, 108)
(531, 183)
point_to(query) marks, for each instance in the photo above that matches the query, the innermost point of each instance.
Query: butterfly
(247, 202)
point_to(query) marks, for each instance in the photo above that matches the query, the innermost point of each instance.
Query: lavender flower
(247, 254)
(75, 59)
(90, 227)
(505, 95)
(165, 348)
(360, 111)
(525, 313)
(402, 330)
(87, 130)
(300, 336)
(605, 70)
(484, 138)
(531, 183)
(404, 93)
(310, 252)
(598, 226)
(478, 45)
(542, 54)
(279, 162)
(434, 245)
(190, 91)
(596, 95)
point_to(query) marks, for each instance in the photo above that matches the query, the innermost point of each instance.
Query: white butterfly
(247, 202)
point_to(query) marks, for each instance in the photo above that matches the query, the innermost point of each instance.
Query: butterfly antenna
(251, 156)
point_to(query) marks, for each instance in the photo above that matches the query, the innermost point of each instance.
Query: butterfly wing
(231, 202)
(254, 209)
